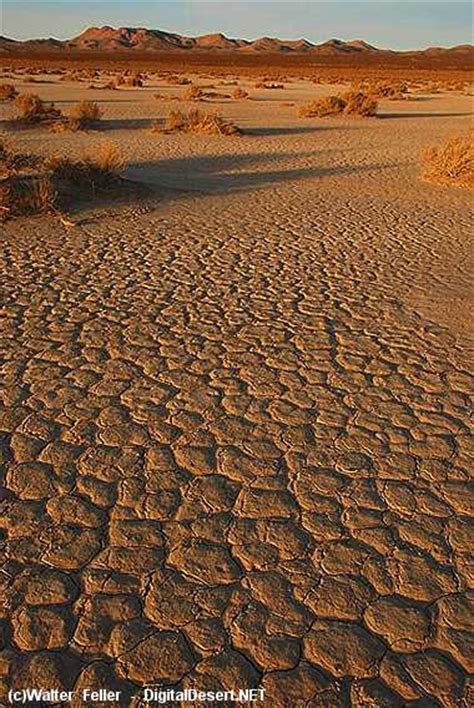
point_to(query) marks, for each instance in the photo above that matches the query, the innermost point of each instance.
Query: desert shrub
(197, 122)
(86, 112)
(239, 93)
(11, 160)
(84, 115)
(359, 104)
(177, 80)
(392, 90)
(95, 169)
(325, 106)
(26, 194)
(31, 109)
(193, 93)
(56, 181)
(450, 163)
(165, 97)
(8, 92)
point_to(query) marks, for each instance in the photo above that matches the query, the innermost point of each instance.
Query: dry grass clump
(31, 109)
(391, 90)
(196, 121)
(325, 106)
(86, 112)
(175, 80)
(11, 160)
(165, 97)
(55, 182)
(351, 103)
(91, 173)
(26, 194)
(450, 163)
(193, 93)
(8, 92)
(84, 116)
(239, 94)
(359, 103)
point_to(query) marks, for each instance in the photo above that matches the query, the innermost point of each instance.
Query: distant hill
(140, 39)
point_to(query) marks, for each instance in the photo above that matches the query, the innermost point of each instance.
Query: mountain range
(140, 39)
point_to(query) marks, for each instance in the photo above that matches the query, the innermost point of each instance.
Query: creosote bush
(86, 112)
(55, 181)
(450, 163)
(195, 121)
(359, 104)
(174, 80)
(26, 194)
(193, 93)
(94, 171)
(31, 109)
(355, 103)
(325, 106)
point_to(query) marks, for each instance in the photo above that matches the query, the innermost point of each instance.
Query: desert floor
(236, 423)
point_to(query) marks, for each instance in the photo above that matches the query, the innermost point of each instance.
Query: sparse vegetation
(8, 92)
(193, 93)
(391, 90)
(86, 113)
(359, 103)
(325, 106)
(26, 194)
(30, 185)
(239, 94)
(84, 116)
(93, 172)
(165, 97)
(195, 121)
(175, 80)
(450, 163)
(354, 103)
(31, 109)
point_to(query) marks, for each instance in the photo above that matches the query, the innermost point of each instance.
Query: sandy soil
(236, 423)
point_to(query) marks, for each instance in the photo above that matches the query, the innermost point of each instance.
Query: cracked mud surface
(235, 431)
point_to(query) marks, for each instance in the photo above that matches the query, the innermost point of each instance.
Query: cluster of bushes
(32, 110)
(393, 91)
(175, 80)
(31, 185)
(195, 121)
(450, 163)
(354, 103)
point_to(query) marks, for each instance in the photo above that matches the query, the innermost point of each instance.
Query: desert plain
(235, 425)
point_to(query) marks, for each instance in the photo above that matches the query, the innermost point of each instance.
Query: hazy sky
(397, 25)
